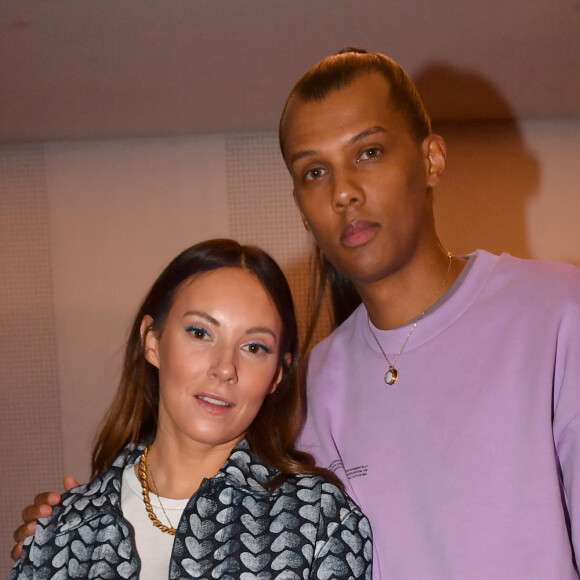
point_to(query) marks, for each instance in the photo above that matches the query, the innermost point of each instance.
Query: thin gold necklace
(156, 492)
(144, 479)
(392, 374)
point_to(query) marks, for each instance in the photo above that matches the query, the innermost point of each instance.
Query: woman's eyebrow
(260, 330)
(213, 321)
(203, 315)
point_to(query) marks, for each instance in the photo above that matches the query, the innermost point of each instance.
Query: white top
(153, 546)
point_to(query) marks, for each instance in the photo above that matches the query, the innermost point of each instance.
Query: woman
(195, 470)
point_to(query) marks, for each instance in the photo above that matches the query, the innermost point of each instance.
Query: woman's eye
(197, 332)
(256, 348)
(370, 153)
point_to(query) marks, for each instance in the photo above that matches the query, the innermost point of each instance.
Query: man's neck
(395, 300)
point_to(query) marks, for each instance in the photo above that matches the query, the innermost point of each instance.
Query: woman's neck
(178, 468)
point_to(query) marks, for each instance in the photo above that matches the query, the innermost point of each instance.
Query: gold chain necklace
(156, 492)
(144, 479)
(392, 373)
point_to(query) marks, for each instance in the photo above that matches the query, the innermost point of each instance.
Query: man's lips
(358, 233)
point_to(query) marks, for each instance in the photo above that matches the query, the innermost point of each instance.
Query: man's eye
(370, 153)
(314, 173)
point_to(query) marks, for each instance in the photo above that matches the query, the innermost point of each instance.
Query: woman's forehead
(229, 289)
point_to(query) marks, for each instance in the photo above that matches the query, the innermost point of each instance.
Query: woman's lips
(358, 233)
(213, 404)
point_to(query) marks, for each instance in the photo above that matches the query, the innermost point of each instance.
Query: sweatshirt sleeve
(344, 546)
(569, 457)
(316, 435)
(566, 412)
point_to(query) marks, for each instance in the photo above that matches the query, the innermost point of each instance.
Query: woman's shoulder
(84, 502)
(80, 503)
(314, 488)
(337, 518)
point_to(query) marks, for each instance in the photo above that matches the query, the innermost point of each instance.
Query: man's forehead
(352, 108)
(364, 89)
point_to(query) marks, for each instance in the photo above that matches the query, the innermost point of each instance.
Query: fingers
(69, 482)
(23, 532)
(41, 507)
(16, 551)
(47, 498)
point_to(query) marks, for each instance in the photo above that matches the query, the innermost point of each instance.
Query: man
(447, 401)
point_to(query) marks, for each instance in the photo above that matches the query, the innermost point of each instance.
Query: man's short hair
(339, 70)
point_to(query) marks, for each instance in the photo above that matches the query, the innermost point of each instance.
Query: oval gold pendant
(391, 376)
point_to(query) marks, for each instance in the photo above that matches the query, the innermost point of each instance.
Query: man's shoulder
(557, 278)
(340, 338)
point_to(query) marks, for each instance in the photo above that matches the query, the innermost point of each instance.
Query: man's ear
(435, 156)
(150, 341)
(280, 374)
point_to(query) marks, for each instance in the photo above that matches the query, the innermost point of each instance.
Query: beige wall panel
(30, 434)
(119, 211)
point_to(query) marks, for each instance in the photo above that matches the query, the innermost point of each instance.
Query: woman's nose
(224, 368)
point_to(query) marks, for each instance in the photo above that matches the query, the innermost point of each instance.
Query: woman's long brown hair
(132, 416)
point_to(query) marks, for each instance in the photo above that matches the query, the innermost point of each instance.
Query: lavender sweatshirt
(469, 466)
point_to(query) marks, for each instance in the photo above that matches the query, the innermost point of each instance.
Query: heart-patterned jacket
(231, 528)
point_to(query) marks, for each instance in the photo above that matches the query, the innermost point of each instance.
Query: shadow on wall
(491, 175)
